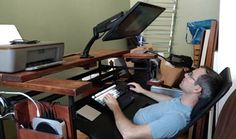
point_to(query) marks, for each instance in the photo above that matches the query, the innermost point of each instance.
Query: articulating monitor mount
(100, 28)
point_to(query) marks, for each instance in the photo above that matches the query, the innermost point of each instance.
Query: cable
(20, 93)
(10, 113)
(5, 109)
(2, 102)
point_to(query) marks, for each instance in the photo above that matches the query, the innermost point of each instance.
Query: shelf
(71, 61)
(56, 86)
(139, 56)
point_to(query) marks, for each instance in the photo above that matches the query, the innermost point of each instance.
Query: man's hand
(136, 87)
(111, 102)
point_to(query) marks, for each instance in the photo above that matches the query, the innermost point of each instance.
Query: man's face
(187, 84)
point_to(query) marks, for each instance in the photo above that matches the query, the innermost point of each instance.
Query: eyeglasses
(190, 74)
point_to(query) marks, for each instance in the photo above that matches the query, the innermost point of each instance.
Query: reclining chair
(204, 106)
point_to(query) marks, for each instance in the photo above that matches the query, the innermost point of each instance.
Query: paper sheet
(8, 33)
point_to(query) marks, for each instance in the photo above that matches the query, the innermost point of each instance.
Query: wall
(72, 21)
(59, 20)
(226, 52)
(191, 10)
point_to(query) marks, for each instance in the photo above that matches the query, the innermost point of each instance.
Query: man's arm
(156, 96)
(127, 129)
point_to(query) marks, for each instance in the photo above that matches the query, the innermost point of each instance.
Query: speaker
(57, 127)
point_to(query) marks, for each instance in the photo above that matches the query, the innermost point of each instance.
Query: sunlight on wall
(226, 52)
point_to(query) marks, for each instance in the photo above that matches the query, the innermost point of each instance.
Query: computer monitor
(138, 18)
(124, 25)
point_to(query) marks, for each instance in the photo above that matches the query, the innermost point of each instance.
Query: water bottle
(140, 40)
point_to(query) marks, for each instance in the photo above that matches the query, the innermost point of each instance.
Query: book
(204, 47)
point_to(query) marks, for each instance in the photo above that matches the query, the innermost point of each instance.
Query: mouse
(130, 86)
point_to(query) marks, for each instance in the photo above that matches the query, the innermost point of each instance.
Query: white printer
(14, 58)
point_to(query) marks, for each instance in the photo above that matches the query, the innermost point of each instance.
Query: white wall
(225, 57)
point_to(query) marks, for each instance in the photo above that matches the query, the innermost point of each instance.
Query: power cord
(19, 93)
(5, 108)
(2, 102)
(10, 113)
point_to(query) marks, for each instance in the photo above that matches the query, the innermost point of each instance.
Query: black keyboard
(119, 91)
(125, 100)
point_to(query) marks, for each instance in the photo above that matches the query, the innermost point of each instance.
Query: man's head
(202, 82)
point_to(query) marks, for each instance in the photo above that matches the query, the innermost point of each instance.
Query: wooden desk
(34, 80)
(139, 56)
(69, 62)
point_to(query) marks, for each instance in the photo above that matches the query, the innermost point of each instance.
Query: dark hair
(210, 83)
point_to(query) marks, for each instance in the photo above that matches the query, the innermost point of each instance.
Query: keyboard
(123, 97)
(110, 90)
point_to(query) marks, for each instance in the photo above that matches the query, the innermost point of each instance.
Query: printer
(18, 57)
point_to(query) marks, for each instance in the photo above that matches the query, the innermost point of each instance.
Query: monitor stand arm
(100, 28)
(89, 45)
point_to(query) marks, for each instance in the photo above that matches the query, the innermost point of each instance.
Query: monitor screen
(138, 18)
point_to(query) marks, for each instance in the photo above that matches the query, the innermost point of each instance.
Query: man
(170, 115)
